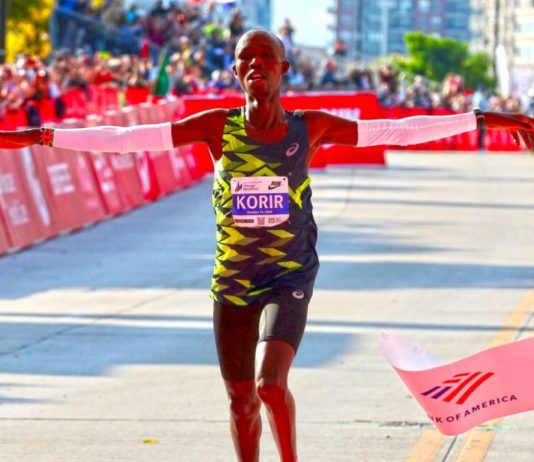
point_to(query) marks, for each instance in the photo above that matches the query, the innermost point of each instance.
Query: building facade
(372, 29)
(257, 13)
(510, 24)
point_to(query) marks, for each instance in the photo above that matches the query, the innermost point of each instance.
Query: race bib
(260, 201)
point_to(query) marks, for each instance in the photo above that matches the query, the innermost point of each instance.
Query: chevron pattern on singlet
(251, 261)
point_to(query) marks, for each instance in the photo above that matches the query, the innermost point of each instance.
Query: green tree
(434, 57)
(27, 27)
(479, 70)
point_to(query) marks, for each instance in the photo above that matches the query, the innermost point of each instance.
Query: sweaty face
(260, 63)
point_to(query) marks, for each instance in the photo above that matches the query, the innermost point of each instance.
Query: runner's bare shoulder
(200, 127)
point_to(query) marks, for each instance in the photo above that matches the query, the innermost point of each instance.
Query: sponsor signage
(460, 395)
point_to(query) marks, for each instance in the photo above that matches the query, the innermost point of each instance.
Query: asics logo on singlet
(298, 294)
(292, 149)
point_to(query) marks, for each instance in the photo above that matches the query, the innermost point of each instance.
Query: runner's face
(260, 64)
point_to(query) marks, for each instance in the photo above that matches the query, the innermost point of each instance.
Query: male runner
(266, 263)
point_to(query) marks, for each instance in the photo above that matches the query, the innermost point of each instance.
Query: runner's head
(260, 63)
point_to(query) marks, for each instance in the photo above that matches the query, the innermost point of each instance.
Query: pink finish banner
(458, 396)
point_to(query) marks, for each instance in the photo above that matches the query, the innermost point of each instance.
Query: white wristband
(153, 137)
(413, 130)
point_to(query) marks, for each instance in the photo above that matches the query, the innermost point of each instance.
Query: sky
(309, 18)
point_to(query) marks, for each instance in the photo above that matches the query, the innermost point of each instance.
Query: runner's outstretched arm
(149, 137)
(329, 129)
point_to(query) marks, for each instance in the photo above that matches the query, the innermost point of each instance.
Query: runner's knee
(244, 404)
(272, 393)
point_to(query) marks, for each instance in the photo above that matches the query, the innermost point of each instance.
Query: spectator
(285, 33)
(114, 14)
(159, 10)
(328, 79)
(340, 49)
(237, 25)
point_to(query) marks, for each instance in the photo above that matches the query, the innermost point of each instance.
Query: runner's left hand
(520, 126)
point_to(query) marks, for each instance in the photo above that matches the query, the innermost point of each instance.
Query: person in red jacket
(266, 261)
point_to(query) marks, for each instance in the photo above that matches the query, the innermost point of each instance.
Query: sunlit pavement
(106, 350)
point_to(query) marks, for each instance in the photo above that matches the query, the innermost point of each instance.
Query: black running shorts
(280, 314)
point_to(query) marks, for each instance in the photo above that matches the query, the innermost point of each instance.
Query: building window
(347, 4)
(525, 52)
(405, 6)
(345, 21)
(424, 5)
(435, 21)
(526, 27)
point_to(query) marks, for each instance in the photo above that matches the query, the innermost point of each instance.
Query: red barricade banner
(13, 119)
(155, 167)
(26, 217)
(175, 107)
(499, 140)
(4, 244)
(196, 158)
(468, 141)
(105, 177)
(147, 113)
(57, 170)
(162, 169)
(104, 98)
(44, 222)
(159, 174)
(136, 95)
(76, 103)
(127, 117)
(14, 203)
(131, 183)
(170, 167)
(89, 188)
(47, 109)
(167, 109)
(180, 170)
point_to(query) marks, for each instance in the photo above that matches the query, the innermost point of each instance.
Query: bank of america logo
(460, 385)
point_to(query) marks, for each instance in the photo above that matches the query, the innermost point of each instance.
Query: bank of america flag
(458, 396)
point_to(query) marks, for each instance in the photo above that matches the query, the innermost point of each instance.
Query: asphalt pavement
(106, 349)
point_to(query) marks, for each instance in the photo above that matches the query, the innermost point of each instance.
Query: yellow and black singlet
(251, 261)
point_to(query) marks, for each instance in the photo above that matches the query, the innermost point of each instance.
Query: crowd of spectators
(197, 43)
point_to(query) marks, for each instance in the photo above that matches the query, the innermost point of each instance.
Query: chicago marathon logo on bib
(260, 201)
